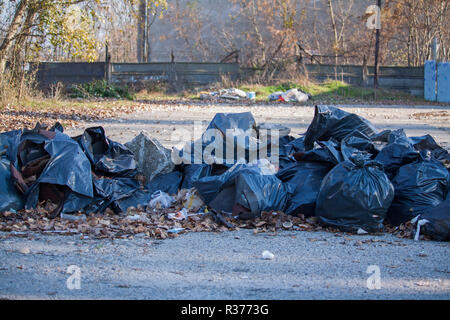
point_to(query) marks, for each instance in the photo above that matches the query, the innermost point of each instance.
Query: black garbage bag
(193, 172)
(297, 145)
(168, 183)
(231, 121)
(307, 178)
(9, 142)
(286, 161)
(355, 194)
(284, 154)
(75, 203)
(118, 194)
(226, 130)
(437, 221)
(10, 198)
(256, 193)
(238, 130)
(428, 143)
(267, 129)
(108, 158)
(398, 152)
(324, 151)
(357, 143)
(210, 186)
(244, 191)
(419, 186)
(331, 122)
(49, 165)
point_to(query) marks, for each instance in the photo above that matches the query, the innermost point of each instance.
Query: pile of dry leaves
(156, 223)
(19, 116)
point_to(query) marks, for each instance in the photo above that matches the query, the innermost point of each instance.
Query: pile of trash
(342, 174)
(228, 94)
(292, 95)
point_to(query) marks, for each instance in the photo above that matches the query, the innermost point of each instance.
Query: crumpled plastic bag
(231, 94)
(160, 200)
(292, 95)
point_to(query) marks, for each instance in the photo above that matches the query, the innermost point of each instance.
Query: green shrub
(100, 89)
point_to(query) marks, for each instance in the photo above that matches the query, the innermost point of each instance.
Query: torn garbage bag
(108, 157)
(419, 186)
(50, 164)
(307, 178)
(331, 122)
(355, 194)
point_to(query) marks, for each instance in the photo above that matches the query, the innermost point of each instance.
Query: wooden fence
(407, 79)
(183, 72)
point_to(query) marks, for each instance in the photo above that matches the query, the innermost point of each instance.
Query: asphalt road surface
(229, 265)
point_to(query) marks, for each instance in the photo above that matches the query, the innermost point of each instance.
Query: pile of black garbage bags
(342, 170)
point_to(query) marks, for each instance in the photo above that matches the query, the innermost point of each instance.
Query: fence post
(107, 65)
(364, 72)
(172, 76)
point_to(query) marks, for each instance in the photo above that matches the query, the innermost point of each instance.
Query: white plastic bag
(161, 200)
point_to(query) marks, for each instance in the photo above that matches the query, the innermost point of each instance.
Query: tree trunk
(141, 31)
(27, 25)
(11, 33)
(336, 40)
(377, 51)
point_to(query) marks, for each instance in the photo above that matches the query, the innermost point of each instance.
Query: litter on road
(342, 174)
